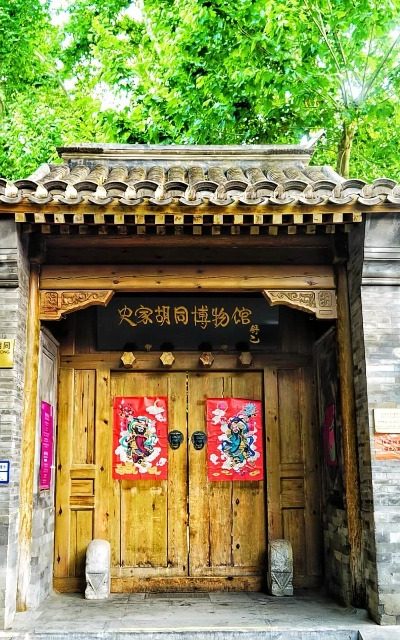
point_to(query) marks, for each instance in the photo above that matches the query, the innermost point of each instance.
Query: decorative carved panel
(54, 305)
(322, 302)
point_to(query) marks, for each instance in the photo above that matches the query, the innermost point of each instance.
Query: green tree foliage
(204, 72)
(36, 111)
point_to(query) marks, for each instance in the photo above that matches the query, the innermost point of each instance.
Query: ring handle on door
(199, 438)
(175, 439)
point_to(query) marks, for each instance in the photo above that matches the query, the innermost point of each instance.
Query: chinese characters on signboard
(200, 316)
(185, 322)
(6, 353)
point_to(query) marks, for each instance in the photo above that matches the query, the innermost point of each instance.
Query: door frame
(65, 289)
(268, 365)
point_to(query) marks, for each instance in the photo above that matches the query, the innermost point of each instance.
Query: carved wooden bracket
(55, 304)
(322, 302)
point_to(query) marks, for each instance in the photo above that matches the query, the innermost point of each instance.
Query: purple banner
(46, 449)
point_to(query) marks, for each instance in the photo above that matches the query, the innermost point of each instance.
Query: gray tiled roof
(192, 176)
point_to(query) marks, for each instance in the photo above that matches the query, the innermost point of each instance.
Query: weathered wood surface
(349, 438)
(292, 468)
(220, 513)
(175, 278)
(186, 249)
(249, 498)
(58, 244)
(184, 361)
(63, 466)
(28, 438)
(148, 523)
(165, 585)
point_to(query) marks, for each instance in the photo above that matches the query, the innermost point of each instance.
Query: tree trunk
(344, 149)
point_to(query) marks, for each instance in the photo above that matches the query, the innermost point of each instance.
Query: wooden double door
(185, 532)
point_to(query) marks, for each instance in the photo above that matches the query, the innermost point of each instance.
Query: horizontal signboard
(186, 322)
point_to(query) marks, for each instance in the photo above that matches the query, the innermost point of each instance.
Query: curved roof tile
(253, 176)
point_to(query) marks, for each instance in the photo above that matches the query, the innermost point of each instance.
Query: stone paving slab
(199, 616)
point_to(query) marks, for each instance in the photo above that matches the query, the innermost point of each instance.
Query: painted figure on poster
(237, 439)
(139, 444)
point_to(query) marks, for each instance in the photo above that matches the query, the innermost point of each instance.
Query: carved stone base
(280, 568)
(322, 302)
(98, 579)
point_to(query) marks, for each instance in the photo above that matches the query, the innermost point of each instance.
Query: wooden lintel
(210, 278)
(62, 242)
(321, 302)
(54, 305)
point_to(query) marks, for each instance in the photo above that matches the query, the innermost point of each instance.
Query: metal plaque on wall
(387, 420)
(6, 353)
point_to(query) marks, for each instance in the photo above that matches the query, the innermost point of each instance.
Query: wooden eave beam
(115, 208)
(177, 242)
(210, 278)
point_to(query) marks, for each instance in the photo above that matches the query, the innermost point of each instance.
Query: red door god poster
(234, 439)
(140, 438)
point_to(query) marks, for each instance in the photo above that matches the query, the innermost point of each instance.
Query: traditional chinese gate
(184, 532)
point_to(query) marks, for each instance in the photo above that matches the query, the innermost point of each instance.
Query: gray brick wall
(13, 311)
(355, 267)
(41, 569)
(336, 554)
(380, 480)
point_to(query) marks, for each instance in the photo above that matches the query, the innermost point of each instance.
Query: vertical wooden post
(29, 422)
(349, 437)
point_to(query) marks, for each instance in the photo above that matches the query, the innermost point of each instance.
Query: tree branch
(366, 60)
(381, 65)
(322, 30)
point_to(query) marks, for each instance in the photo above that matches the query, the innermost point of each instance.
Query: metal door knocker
(175, 439)
(199, 439)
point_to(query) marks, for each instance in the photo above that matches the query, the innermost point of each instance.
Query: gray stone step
(380, 633)
(140, 634)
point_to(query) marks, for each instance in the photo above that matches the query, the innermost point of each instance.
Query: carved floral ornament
(321, 302)
(54, 305)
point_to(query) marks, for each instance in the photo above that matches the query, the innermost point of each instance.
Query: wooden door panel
(294, 530)
(81, 534)
(107, 492)
(248, 498)
(177, 559)
(84, 416)
(146, 521)
(75, 472)
(221, 513)
(206, 521)
(147, 543)
(292, 470)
